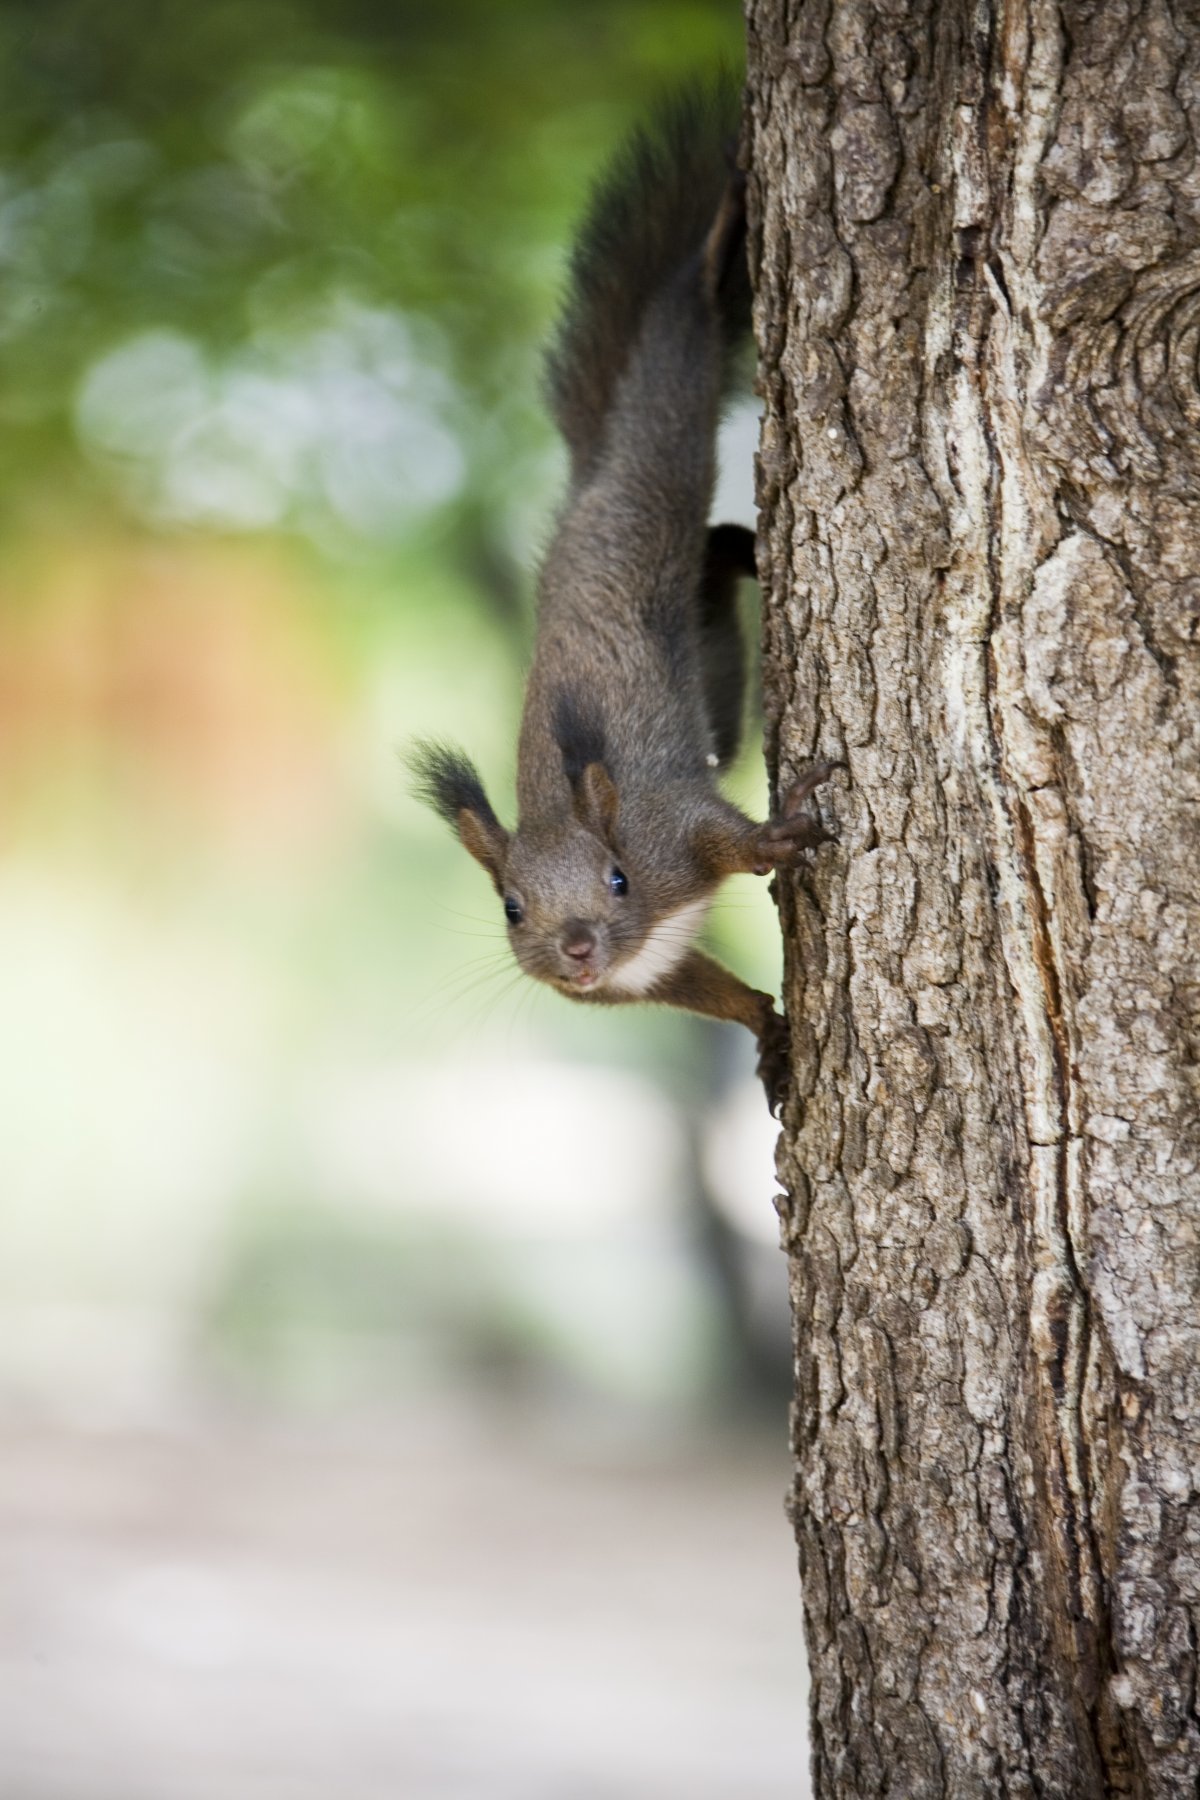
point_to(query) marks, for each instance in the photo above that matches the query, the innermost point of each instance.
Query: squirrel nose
(578, 940)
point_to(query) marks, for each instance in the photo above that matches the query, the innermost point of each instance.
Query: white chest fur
(664, 949)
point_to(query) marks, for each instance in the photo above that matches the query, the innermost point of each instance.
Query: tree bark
(976, 239)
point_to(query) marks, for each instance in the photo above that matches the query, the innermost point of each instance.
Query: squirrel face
(574, 914)
(578, 916)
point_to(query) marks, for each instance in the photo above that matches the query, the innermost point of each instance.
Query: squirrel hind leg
(728, 556)
(727, 233)
(726, 276)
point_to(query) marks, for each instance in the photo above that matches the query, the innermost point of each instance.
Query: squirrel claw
(774, 1061)
(780, 841)
(811, 779)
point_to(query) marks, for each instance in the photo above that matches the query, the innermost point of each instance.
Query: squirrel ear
(486, 839)
(448, 781)
(596, 800)
(580, 736)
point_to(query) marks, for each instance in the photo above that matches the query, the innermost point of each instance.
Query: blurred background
(393, 1358)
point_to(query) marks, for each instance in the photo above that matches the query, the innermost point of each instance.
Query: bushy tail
(648, 220)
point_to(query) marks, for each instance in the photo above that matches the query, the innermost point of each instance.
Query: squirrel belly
(635, 693)
(665, 946)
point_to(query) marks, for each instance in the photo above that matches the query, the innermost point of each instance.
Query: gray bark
(976, 240)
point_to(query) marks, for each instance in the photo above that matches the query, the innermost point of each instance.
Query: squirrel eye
(512, 911)
(618, 882)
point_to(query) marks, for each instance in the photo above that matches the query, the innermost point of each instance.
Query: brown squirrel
(634, 699)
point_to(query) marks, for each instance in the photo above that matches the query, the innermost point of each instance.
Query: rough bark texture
(976, 239)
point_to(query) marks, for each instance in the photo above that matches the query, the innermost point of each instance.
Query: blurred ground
(455, 1612)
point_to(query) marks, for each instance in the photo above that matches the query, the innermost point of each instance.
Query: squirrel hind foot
(774, 1068)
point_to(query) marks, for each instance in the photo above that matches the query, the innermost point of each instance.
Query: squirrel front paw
(779, 843)
(775, 1059)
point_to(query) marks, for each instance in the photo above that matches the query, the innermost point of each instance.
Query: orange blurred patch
(187, 686)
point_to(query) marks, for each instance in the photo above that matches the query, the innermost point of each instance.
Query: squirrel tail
(649, 224)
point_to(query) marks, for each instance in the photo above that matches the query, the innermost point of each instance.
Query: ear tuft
(449, 782)
(579, 733)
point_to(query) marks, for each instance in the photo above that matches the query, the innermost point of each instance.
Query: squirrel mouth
(585, 978)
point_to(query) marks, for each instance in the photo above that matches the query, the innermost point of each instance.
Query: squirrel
(633, 702)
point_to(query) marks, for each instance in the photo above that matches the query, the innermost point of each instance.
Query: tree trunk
(976, 238)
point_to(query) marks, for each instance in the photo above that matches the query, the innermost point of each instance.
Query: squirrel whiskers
(634, 698)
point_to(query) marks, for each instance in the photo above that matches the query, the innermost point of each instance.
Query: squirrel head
(574, 912)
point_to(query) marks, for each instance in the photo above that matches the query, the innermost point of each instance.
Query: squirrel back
(646, 227)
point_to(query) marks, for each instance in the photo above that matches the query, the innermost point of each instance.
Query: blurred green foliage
(230, 187)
